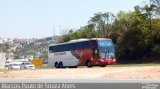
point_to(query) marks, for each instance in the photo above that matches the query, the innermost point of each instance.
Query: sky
(41, 18)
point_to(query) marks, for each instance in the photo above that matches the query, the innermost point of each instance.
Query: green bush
(156, 50)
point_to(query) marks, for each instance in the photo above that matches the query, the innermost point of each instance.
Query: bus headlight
(102, 60)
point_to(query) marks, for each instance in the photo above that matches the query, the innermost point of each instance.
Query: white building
(2, 60)
(5, 40)
(1, 40)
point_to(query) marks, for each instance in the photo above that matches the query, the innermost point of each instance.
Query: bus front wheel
(88, 64)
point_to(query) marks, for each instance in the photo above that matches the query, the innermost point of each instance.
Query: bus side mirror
(95, 51)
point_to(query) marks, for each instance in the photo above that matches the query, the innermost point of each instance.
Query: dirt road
(140, 72)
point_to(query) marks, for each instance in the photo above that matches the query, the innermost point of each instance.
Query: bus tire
(56, 65)
(88, 64)
(60, 65)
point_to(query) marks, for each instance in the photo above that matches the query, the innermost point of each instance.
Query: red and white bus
(82, 52)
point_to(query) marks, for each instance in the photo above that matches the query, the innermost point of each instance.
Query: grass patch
(131, 65)
(116, 65)
(3, 70)
(43, 67)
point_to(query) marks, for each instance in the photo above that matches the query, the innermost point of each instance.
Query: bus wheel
(60, 65)
(88, 64)
(56, 64)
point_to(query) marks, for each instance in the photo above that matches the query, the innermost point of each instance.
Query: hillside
(27, 48)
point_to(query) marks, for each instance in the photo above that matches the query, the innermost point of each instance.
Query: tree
(102, 22)
(155, 4)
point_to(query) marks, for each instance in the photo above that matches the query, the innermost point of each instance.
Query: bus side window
(50, 49)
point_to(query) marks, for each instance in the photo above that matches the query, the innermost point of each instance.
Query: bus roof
(80, 40)
(72, 41)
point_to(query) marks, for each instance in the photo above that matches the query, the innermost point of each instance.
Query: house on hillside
(2, 60)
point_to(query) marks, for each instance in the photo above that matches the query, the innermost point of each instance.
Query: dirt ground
(140, 72)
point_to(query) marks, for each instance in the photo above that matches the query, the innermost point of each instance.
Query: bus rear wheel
(60, 65)
(56, 65)
(88, 64)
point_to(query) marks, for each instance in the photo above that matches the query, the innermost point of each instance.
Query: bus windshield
(106, 49)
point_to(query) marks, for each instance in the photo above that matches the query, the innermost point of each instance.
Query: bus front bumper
(106, 61)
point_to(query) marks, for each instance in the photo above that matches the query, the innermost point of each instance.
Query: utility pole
(60, 30)
(53, 32)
